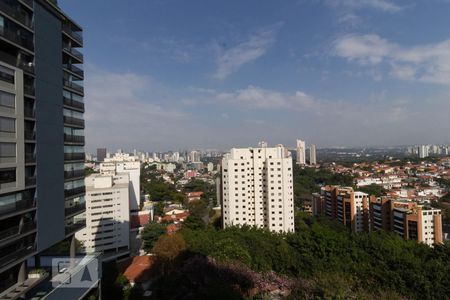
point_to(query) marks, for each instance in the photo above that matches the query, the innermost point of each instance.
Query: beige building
(257, 188)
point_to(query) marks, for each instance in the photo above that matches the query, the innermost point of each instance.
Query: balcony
(29, 112)
(16, 14)
(74, 156)
(30, 181)
(75, 227)
(73, 34)
(23, 41)
(29, 3)
(71, 121)
(28, 90)
(76, 139)
(30, 135)
(16, 231)
(75, 192)
(74, 104)
(16, 255)
(16, 206)
(74, 86)
(30, 158)
(14, 61)
(74, 53)
(73, 174)
(75, 210)
(74, 69)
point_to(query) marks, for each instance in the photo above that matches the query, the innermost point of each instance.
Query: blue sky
(172, 74)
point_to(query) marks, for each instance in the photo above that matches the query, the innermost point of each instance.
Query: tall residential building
(301, 152)
(41, 133)
(107, 215)
(312, 155)
(257, 188)
(423, 151)
(124, 163)
(101, 154)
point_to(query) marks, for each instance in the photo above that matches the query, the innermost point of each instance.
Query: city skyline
(230, 71)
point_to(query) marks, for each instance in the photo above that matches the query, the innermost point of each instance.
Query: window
(6, 74)
(7, 175)
(7, 100)
(7, 152)
(7, 125)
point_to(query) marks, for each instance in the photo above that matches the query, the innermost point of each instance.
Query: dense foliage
(373, 190)
(151, 234)
(309, 180)
(327, 253)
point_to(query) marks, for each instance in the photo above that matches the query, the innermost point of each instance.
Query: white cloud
(424, 63)
(383, 5)
(123, 109)
(230, 60)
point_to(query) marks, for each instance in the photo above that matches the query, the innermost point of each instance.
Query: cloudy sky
(174, 74)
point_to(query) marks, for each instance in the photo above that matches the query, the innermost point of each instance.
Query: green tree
(151, 234)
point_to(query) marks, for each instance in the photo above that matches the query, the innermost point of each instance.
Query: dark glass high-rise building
(101, 154)
(41, 132)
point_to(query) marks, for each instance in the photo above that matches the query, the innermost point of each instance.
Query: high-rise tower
(41, 132)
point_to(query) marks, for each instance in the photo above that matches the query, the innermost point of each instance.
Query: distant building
(312, 155)
(345, 205)
(107, 214)
(423, 151)
(194, 196)
(124, 163)
(258, 189)
(301, 152)
(101, 154)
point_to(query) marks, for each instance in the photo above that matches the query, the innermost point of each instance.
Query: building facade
(124, 163)
(312, 155)
(41, 132)
(101, 154)
(257, 188)
(345, 205)
(301, 152)
(410, 220)
(107, 214)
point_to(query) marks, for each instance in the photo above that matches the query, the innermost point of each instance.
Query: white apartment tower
(423, 151)
(257, 188)
(124, 163)
(312, 155)
(301, 152)
(107, 214)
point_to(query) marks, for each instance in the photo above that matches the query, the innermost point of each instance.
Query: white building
(258, 189)
(301, 152)
(124, 163)
(423, 151)
(312, 155)
(431, 219)
(107, 214)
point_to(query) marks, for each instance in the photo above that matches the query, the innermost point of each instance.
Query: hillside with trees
(321, 260)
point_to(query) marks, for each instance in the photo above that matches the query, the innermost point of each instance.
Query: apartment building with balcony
(107, 215)
(125, 163)
(408, 219)
(345, 205)
(257, 188)
(41, 133)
